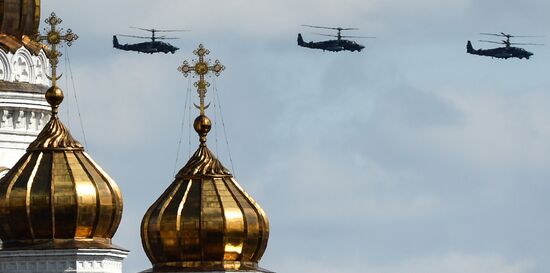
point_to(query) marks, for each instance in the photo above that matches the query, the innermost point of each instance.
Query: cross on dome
(201, 68)
(53, 38)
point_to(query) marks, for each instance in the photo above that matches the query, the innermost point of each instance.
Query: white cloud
(497, 132)
(448, 263)
(358, 189)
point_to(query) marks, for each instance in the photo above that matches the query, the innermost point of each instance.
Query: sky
(409, 157)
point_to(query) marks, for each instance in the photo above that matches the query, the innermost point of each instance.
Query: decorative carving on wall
(31, 121)
(22, 69)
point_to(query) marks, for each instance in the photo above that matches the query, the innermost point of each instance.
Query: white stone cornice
(17, 120)
(62, 260)
(19, 99)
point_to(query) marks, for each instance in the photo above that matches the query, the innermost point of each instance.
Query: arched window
(22, 66)
(5, 71)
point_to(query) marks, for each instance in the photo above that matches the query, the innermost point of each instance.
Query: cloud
(449, 263)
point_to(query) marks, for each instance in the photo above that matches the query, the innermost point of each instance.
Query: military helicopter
(333, 45)
(508, 51)
(151, 47)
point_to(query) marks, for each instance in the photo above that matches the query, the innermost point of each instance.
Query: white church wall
(62, 261)
(22, 114)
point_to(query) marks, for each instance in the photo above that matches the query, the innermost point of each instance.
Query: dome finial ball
(54, 96)
(202, 126)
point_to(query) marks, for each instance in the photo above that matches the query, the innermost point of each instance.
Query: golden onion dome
(19, 20)
(205, 221)
(56, 196)
(19, 17)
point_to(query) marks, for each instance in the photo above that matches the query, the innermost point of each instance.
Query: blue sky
(411, 156)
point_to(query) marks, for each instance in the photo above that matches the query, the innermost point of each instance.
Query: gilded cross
(53, 38)
(201, 68)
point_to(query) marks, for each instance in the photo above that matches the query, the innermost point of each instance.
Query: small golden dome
(56, 196)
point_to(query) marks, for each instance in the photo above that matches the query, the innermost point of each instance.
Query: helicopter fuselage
(500, 52)
(146, 47)
(331, 45)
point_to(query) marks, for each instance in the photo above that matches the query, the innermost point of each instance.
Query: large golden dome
(56, 196)
(204, 221)
(19, 20)
(19, 17)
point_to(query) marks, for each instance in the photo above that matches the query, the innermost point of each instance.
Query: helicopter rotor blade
(368, 37)
(502, 34)
(343, 36)
(320, 27)
(146, 29)
(527, 36)
(333, 28)
(132, 36)
(322, 34)
(493, 34)
(493, 42)
(172, 30)
(526, 44)
(161, 30)
(167, 38)
(520, 36)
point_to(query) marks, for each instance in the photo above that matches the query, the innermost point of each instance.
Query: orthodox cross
(53, 38)
(201, 68)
